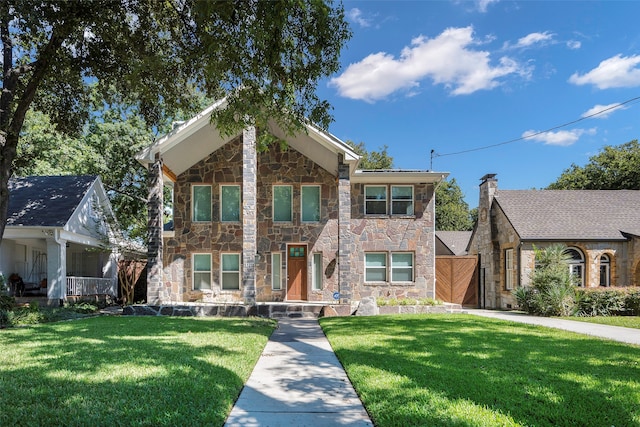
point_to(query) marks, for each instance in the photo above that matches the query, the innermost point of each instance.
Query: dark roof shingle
(571, 214)
(45, 201)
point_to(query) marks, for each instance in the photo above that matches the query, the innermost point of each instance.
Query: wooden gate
(457, 279)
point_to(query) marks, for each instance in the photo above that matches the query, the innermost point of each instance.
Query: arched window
(576, 265)
(605, 270)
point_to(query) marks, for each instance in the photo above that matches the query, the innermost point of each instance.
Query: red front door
(296, 273)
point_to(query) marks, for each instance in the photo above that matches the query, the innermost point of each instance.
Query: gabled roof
(197, 138)
(571, 214)
(46, 201)
(454, 241)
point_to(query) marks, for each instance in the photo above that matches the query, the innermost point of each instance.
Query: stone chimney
(488, 188)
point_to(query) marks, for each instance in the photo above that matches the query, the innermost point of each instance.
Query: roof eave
(392, 176)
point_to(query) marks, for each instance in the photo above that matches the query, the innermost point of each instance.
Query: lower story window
(317, 272)
(401, 267)
(509, 269)
(276, 271)
(230, 271)
(201, 271)
(375, 267)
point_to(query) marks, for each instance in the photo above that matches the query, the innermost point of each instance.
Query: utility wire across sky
(531, 135)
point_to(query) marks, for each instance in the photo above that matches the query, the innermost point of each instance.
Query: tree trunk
(8, 146)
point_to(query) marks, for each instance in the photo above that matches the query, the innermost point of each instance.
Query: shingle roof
(456, 241)
(45, 201)
(572, 214)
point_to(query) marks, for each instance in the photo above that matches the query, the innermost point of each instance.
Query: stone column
(249, 230)
(345, 237)
(156, 292)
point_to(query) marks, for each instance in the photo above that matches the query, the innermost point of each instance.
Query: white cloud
(617, 71)
(562, 138)
(574, 44)
(534, 38)
(607, 110)
(447, 59)
(355, 15)
(482, 5)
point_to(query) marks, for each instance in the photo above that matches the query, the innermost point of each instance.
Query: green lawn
(464, 370)
(625, 321)
(133, 371)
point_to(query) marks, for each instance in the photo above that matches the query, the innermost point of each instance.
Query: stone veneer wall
(391, 233)
(276, 166)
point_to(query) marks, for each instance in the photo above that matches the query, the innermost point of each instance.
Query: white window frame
(403, 200)
(302, 188)
(386, 199)
(194, 271)
(223, 272)
(239, 203)
(576, 267)
(273, 203)
(509, 269)
(316, 271)
(390, 263)
(193, 199)
(385, 267)
(276, 271)
(605, 267)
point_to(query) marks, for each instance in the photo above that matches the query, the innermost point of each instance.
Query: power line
(613, 107)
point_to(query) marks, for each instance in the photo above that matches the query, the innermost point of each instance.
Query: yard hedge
(614, 301)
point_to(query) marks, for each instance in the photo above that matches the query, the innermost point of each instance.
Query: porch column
(56, 268)
(345, 237)
(249, 226)
(156, 293)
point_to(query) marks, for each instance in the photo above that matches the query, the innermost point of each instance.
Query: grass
(625, 321)
(463, 370)
(133, 371)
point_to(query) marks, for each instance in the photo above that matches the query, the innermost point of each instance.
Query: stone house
(55, 237)
(601, 229)
(300, 223)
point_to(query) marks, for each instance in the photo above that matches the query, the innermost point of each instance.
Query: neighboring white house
(54, 236)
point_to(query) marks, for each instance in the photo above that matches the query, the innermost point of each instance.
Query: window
(230, 203)
(201, 203)
(201, 271)
(230, 271)
(282, 205)
(605, 276)
(375, 267)
(401, 200)
(276, 271)
(375, 200)
(310, 200)
(402, 267)
(576, 265)
(317, 272)
(509, 269)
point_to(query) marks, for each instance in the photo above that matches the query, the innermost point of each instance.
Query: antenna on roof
(433, 152)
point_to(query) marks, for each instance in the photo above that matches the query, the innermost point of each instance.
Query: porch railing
(91, 286)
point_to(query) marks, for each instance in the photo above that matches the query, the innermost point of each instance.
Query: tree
(614, 168)
(452, 212)
(264, 58)
(372, 159)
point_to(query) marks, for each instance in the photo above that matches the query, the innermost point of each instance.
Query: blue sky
(452, 76)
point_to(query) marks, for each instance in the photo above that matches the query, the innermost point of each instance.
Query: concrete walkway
(615, 333)
(298, 381)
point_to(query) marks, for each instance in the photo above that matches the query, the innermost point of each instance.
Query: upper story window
(375, 200)
(310, 200)
(401, 200)
(230, 203)
(282, 203)
(201, 203)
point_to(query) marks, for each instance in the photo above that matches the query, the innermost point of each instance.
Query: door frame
(304, 292)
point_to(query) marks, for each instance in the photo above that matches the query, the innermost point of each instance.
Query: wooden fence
(457, 280)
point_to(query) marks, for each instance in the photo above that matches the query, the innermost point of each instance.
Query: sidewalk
(298, 381)
(615, 333)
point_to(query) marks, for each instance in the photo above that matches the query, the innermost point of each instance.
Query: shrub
(7, 302)
(552, 291)
(600, 301)
(632, 301)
